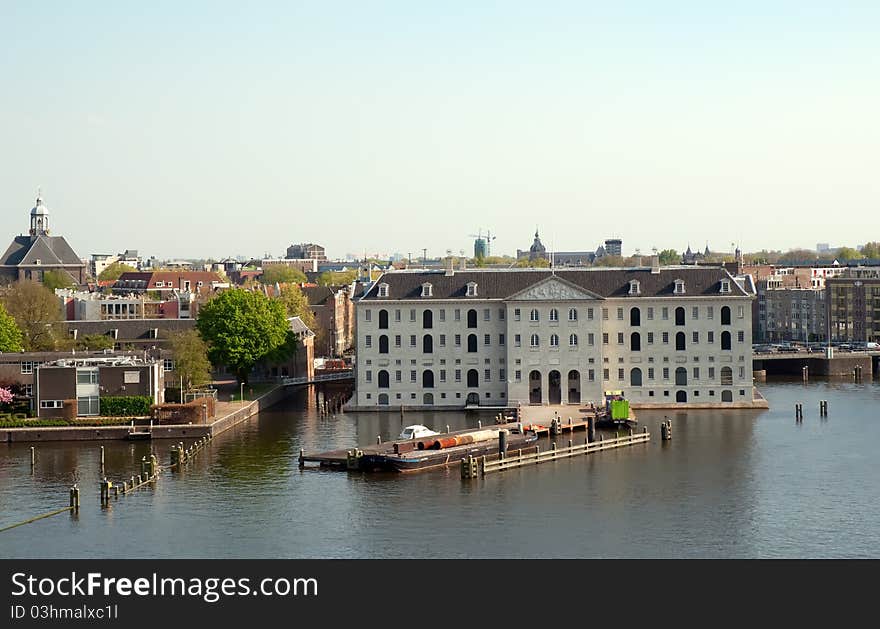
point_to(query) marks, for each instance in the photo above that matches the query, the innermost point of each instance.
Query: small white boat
(416, 431)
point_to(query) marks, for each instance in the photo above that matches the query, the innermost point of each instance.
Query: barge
(419, 454)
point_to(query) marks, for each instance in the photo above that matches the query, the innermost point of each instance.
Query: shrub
(126, 406)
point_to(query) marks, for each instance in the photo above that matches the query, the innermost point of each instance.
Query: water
(729, 484)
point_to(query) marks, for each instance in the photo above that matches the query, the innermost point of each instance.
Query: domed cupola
(39, 218)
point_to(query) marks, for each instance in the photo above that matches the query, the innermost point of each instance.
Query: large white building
(455, 338)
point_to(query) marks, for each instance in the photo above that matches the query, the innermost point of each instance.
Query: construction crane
(487, 241)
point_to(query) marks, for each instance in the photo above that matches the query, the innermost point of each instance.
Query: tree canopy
(297, 304)
(281, 274)
(191, 362)
(241, 328)
(57, 279)
(669, 256)
(37, 311)
(537, 263)
(10, 334)
(337, 278)
(112, 272)
(95, 342)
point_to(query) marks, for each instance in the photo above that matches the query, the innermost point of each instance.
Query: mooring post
(33, 456)
(378, 440)
(479, 423)
(154, 465)
(302, 462)
(102, 457)
(591, 429)
(447, 429)
(502, 443)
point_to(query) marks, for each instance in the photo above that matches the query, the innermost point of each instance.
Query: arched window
(679, 341)
(427, 344)
(573, 340)
(428, 399)
(383, 319)
(679, 316)
(383, 344)
(533, 315)
(472, 318)
(473, 378)
(726, 376)
(534, 341)
(572, 314)
(681, 377)
(725, 340)
(727, 396)
(427, 319)
(383, 379)
(427, 379)
(635, 377)
(635, 317)
(725, 315)
(472, 343)
(554, 340)
(681, 396)
(383, 399)
(635, 342)
(554, 314)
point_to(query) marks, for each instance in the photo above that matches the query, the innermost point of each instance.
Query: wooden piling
(302, 462)
(33, 456)
(502, 442)
(102, 457)
(591, 429)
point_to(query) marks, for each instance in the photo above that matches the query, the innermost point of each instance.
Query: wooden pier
(473, 466)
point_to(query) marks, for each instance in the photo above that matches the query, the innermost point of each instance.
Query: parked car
(417, 431)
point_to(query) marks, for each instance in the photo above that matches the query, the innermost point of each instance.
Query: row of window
(383, 377)
(635, 376)
(635, 315)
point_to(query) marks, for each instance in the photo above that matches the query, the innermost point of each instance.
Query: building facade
(306, 251)
(507, 337)
(334, 319)
(853, 305)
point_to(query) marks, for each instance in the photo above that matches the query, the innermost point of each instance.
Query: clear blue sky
(195, 129)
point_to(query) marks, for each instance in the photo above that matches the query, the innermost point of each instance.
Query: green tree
(95, 342)
(57, 279)
(297, 304)
(337, 278)
(282, 275)
(610, 261)
(669, 256)
(871, 250)
(241, 328)
(191, 358)
(10, 334)
(848, 253)
(537, 263)
(37, 312)
(799, 255)
(112, 272)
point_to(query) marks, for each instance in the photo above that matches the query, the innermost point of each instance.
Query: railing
(521, 460)
(346, 375)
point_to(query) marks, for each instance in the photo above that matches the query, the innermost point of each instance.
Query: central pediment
(553, 289)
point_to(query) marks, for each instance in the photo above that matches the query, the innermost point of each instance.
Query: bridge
(341, 375)
(861, 364)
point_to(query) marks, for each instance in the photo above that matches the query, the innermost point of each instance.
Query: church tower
(39, 219)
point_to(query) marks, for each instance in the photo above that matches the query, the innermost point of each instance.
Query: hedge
(126, 406)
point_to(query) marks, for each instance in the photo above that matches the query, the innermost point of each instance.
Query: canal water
(729, 484)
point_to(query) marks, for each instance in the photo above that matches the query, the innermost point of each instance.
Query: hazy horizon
(389, 127)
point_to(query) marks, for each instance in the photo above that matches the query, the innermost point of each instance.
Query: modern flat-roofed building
(457, 338)
(853, 305)
(87, 380)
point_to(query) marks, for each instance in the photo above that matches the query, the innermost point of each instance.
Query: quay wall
(178, 431)
(816, 365)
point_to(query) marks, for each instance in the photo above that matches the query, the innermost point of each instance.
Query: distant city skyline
(202, 130)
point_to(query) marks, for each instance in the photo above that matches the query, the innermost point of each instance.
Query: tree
(10, 334)
(37, 311)
(241, 328)
(95, 342)
(610, 261)
(537, 263)
(871, 250)
(191, 358)
(281, 274)
(799, 255)
(669, 256)
(57, 279)
(848, 253)
(337, 278)
(297, 305)
(112, 272)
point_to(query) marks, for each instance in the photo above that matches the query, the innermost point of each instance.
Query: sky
(213, 129)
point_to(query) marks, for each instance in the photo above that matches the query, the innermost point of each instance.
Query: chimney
(655, 265)
(463, 265)
(450, 271)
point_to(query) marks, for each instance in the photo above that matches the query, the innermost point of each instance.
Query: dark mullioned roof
(604, 282)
